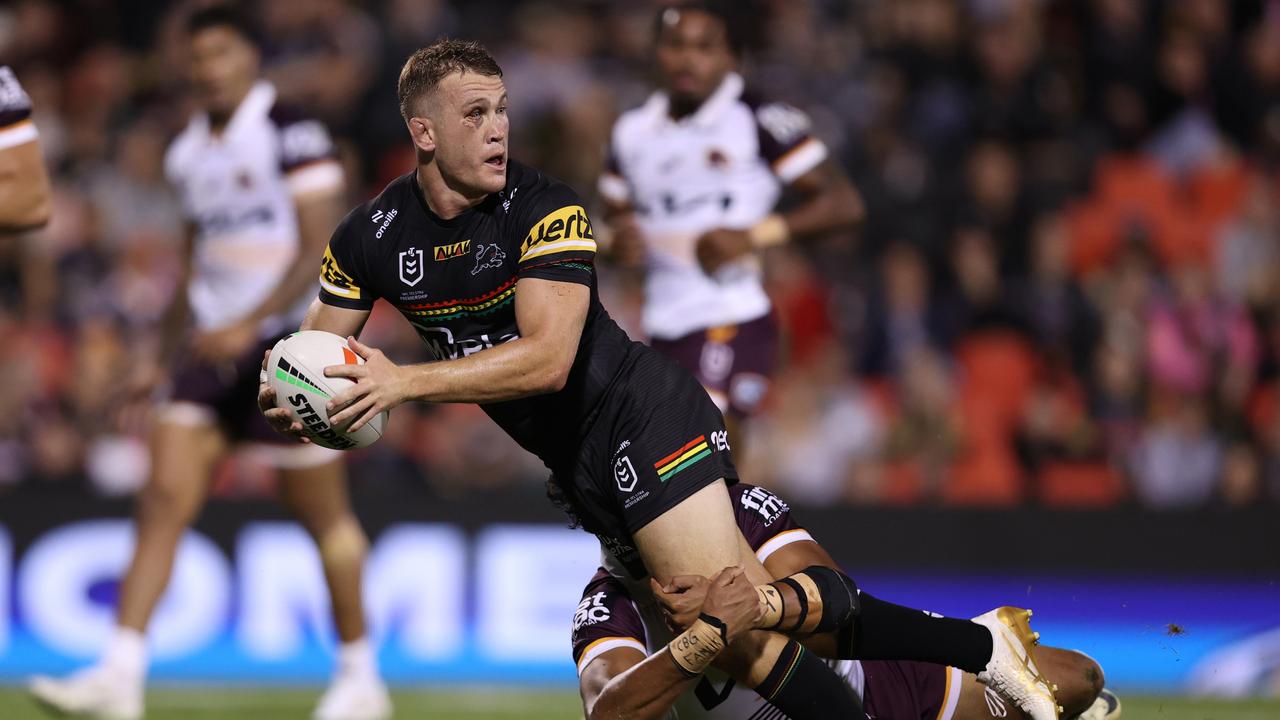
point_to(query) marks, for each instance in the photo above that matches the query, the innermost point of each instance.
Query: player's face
(223, 67)
(693, 54)
(469, 119)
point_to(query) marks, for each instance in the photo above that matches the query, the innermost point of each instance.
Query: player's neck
(443, 199)
(219, 118)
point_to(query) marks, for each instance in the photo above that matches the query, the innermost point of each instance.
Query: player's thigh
(316, 492)
(979, 702)
(699, 536)
(184, 452)
(1077, 676)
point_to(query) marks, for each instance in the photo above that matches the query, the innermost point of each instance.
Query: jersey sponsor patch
(452, 250)
(15, 105)
(334, 280)
(767, 505)
(590, 611)
(564, 230)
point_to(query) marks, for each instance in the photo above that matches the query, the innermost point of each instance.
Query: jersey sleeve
(606, 619)
(765, 520)
(787, 142)
(16, 127)
(343, 269)
(308, 156)
(559, 242)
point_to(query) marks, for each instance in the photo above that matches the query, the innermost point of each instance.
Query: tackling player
(492, 262)
(620, 622)
(261, 186)
(690, 185)
(24, 182)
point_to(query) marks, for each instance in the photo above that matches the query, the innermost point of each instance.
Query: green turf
(499, 704)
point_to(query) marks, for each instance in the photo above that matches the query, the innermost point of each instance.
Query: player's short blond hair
(425, 68)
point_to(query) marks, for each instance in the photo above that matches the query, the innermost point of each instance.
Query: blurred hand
(380, 386)
(226, 343)
(719, 246)
(281, 420)
(628, 247)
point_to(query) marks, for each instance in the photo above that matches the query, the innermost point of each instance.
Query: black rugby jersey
(455, 281)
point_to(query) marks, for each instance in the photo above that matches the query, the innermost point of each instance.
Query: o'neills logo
(458, 249)
(316, 426)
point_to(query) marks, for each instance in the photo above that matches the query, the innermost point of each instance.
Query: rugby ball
(295, 370)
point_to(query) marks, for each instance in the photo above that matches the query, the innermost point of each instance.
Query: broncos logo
(487, 257)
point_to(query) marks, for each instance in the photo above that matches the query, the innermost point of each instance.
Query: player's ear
(422, 130)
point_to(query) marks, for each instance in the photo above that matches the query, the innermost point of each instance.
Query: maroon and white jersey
(238, 189)
(724, 166)
(618, 612)
(16, 127)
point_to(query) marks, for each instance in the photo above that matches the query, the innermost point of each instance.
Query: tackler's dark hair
(734, 31)
(228, 16)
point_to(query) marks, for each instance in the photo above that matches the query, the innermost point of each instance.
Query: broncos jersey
(618, 612)
(455, 281)
(238, 189)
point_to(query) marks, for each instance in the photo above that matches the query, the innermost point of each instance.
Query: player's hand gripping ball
(295, 371)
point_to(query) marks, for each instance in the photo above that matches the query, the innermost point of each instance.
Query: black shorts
(228, 393)
(655, 439)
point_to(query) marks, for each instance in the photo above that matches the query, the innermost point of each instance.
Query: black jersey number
(709, 696)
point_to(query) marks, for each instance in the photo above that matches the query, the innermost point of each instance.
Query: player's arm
(24, 182)
(626, 243)
(623, 683)
(24, 185)
(550, 315)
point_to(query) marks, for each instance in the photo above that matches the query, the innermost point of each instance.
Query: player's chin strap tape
(695, 649)
(823, 587)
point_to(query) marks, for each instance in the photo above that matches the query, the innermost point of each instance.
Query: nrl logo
(411, 268)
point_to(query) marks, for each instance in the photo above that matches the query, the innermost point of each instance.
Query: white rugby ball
(295, 370)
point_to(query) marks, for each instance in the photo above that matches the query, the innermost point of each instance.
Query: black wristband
(716, 623)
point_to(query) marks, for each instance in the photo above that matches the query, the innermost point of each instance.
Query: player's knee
(342, 542)
(164, 504)
(839, 597)
(1081, 682)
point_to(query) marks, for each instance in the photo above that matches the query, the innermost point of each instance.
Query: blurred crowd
(1066, 291)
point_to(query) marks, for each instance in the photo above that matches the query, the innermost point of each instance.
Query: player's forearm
(517, 369)
(24, 189)
(646, 691)
(315, 217)
(835, 207)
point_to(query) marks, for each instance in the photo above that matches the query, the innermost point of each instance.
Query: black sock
(806, 688)
(884, 631)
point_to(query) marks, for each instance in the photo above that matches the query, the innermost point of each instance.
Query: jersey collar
(729, 90)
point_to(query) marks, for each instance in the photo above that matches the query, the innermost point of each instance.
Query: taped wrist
(772, 230)
(817, 599)
(695, 649)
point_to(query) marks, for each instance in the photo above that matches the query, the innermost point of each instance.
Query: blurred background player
(24, 183)
(261, 188)
(690, 185)
(619, 623)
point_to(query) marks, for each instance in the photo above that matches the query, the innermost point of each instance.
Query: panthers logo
(488, 257)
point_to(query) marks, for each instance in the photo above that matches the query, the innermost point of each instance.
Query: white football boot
(354, 696)
(94, 692)
(1012, 671)
(1106, 707)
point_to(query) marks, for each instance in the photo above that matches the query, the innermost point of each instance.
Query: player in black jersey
(492, 263)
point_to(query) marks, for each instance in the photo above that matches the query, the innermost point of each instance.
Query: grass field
(498, 704)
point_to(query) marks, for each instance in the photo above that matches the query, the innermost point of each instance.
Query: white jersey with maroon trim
(238, 188)
(619, 611)
(16, 127)
(722, 166)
